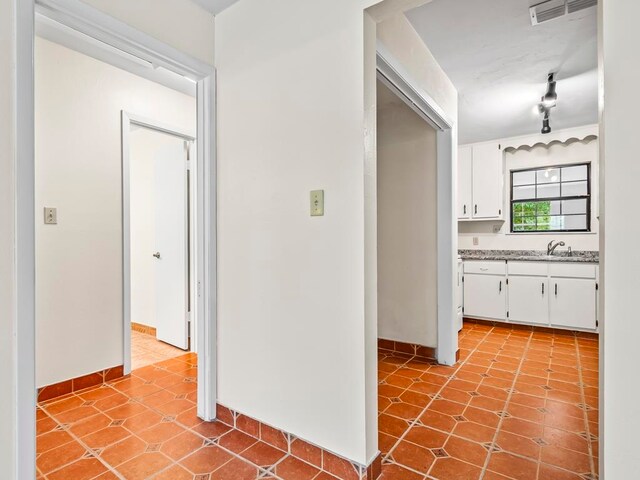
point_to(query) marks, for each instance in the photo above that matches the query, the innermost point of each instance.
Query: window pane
(549, 190)
(529, 221)
(575, 222)
(571, 174)
(520, 193)
(543, 208)
(549, 175)
(574, 189)
(574, 206)
(556, 223)
(524, 178)
(554, 208)
(517, 209)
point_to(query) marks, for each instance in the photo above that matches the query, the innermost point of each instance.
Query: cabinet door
(528, 300)
(464, 182)
(485, 296)
(572, 302)
(488, 181)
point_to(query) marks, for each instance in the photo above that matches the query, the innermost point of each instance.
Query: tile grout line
(424, 410)
(506, 406)
(83, 445)
(585, 411)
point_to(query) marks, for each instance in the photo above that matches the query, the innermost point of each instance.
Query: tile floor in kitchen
(520, 405)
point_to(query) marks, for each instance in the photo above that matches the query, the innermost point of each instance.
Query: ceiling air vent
(545, 11)
(577, 5)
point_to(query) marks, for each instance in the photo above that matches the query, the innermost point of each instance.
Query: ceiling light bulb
(545, 126)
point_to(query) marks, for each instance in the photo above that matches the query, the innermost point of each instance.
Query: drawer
(532, 269)
(572, 270)
(485, 267)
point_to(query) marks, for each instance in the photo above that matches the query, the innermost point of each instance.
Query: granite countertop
(531, 256)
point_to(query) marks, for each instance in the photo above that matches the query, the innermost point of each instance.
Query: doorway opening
(157, 239)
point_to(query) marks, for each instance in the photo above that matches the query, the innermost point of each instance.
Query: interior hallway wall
(8, 372)
(620, 261)
(79, 171)
(295, 316)
(407, 208)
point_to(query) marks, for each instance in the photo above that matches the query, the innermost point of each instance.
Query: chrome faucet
(551, 247)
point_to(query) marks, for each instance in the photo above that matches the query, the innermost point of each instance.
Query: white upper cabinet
(480, 182)
(488, 181)
(465, 202)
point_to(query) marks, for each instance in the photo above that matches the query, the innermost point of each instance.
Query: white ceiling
(499, 64)
(215, 6)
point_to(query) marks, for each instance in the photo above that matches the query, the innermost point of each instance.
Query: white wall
(78, 171)
(538, 156)
(620, 388)
(182, 24)
(407, 250)
(292, 320)
(7, 234)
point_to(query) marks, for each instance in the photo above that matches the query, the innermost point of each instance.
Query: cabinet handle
(543, 288)
(464, 209)
(500, 289)
(556, 289)
(476, 210)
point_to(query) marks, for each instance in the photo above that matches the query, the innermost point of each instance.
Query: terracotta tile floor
(146, 350)
(520, 405)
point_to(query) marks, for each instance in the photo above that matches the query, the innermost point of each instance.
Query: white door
(485, 296)
(487, 181)
(572, 302)
(464, 182)
(171, 243)
(528, 299)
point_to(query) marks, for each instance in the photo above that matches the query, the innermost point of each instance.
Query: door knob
(157, 255)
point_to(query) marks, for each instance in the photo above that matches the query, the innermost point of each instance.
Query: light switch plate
(317, 203)
(475, 241)
(50, 216)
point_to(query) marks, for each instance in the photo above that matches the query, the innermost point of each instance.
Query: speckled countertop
(531, 256)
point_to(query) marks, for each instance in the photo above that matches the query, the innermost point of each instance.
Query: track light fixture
(547, 102)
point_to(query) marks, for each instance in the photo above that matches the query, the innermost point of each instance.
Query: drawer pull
(556, 289)
(484, 269)
(500, 288)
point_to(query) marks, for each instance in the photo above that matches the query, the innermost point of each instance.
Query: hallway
(521, 405)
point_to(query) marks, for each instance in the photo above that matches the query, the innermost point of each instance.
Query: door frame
(392, 74)
(92, 22)
(129, 119)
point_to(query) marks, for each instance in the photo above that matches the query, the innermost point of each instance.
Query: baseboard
(147, 330)
(534, 328)
(60, 389)
(304, 451)
(407, 348)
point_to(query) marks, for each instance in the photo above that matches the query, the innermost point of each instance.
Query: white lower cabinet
(572, 303)
(485, 287)
(553, 294)
(528, 299)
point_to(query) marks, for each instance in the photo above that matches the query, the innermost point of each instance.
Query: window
(551, 199)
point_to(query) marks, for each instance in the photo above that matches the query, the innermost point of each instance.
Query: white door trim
(94, 23)
(392, 74)
(129, 119)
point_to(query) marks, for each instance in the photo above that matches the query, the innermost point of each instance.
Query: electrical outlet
(475, 241)
(50, 216)
(317, 203)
